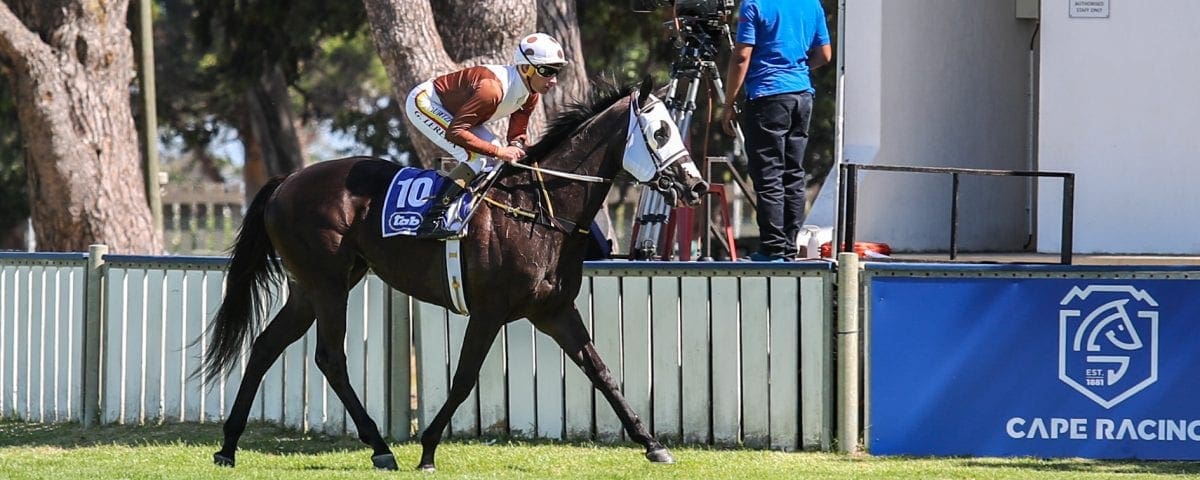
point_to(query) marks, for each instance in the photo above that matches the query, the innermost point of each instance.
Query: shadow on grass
(261, 437)
(264, 438)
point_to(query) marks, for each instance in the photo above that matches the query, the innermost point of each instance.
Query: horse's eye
(662, 134)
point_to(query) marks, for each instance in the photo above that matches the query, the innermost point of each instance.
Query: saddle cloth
(410, 195)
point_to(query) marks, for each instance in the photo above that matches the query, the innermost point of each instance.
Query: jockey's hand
(510, 154)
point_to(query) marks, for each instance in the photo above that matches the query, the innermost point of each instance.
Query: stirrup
(434, 226)
(436, 231)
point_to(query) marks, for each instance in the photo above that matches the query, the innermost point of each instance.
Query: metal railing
(201, 219)
(848, 200)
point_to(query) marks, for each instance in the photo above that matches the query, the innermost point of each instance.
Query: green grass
(68, 452)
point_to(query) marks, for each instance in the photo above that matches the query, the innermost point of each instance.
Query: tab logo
(401, 220)
(1108, 342)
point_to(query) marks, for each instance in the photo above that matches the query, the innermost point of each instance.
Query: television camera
(698, 23)
(698, 8)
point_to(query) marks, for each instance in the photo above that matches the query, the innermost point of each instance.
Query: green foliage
(624, 44)
(217, 47)
(359, 105)
(194, 102)
(250, 35)
(210, 51)
(14, 193)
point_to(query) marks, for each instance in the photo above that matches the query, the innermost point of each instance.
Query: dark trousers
(776, 131)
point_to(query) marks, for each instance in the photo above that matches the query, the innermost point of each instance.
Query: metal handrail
(848, 200)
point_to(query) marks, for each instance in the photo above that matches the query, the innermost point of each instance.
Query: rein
(556, 173)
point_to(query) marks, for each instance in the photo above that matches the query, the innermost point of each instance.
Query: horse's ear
(644, 89)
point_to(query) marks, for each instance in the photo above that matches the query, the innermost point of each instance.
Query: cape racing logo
(1104, 352)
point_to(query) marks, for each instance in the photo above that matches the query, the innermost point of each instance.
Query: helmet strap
(527, 72)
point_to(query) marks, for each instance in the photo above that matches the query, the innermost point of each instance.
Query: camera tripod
(694, 65)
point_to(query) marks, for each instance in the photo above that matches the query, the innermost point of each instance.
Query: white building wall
(1120, 107)
(938, 83)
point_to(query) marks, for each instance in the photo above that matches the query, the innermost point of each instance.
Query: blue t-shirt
(782, 32)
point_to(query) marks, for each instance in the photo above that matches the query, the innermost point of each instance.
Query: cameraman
(778, 42)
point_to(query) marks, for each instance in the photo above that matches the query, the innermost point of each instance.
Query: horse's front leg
(481, 332)
(566, 327)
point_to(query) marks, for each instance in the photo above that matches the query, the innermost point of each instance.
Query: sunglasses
(546, 71)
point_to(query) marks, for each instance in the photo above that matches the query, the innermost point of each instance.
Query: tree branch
(17, 42)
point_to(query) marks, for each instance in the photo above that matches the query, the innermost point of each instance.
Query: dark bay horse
(323, 224)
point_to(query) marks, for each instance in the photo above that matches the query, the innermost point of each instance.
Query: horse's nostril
(700, 188)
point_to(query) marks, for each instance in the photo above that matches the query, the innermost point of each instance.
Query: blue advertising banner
(1044, 367)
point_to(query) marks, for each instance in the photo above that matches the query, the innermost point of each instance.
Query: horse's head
(1111, 321)
(654, 151)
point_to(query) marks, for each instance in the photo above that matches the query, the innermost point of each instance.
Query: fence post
(93, 325)
(848, 354)
(399, 402)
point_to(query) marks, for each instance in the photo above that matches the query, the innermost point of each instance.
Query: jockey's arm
(473, 112)
(476, 110)
(518, 122)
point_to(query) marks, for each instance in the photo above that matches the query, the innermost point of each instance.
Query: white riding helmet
(539, 49)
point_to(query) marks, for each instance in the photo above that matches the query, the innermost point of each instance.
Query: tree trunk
(406, 35)
(558, 19)
(483, 31)
(12, 235)
(268, 131)
(70, 63)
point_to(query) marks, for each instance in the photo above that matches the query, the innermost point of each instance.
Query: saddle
(411, 196)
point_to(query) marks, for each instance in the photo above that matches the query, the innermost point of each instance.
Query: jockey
(451, 110)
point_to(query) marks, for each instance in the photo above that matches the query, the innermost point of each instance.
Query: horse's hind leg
(288, 326)
(567, 329)
(331, 359)
(476, 342)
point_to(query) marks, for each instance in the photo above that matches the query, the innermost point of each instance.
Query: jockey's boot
(434, 225)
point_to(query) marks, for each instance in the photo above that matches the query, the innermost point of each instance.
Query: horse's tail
(253, 272)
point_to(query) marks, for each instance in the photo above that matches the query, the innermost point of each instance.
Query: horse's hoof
(426, 467)
(385, 462)
(222, 460)
(660, 455)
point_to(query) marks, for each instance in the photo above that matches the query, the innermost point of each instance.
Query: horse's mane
(603, 95)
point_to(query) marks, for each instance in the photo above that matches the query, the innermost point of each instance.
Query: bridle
(659, 162)
(656, 181)
(652, 150)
